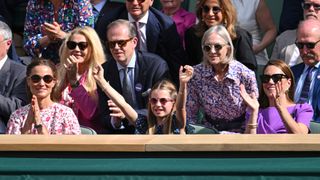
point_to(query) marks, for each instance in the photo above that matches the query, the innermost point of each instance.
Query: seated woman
(219, 12)
(166, 107)
(76, 88)
(278, 112)
(42, 115)
(215, 85)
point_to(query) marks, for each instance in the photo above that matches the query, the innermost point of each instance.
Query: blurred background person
(79, 54)
(42, 115)
(214, 87)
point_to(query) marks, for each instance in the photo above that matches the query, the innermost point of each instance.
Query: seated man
(131, 73)
(12, 79)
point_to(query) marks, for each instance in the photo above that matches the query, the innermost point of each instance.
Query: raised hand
(251, 100)
(98, 72)
(115, 110)
(53, 31)
(71, 66)
(35, 110)
(185, 73)
(280, 95)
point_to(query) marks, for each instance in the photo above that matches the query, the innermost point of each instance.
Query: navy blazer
(149, 69)
(297, 71)
(162, 37)
(12, 88)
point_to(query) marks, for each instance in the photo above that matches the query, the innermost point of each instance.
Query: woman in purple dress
(277, 113)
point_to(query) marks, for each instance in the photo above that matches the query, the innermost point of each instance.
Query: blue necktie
(127, 87)
(304, 96)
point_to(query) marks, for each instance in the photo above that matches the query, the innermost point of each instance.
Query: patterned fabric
(74, 13)
(269, 120)
(219, 101)
(58, 119)
(142, 125)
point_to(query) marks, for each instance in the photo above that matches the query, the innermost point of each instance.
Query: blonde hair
(152, 119)
(95, 56)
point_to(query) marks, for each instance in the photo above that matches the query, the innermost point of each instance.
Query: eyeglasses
(36, 78)
(217, 47)
(309, 45)
(215, 9)
(72, 45)
(121, 43)
(163, 101)
(139, 1)
(307, 6)
(275, 78)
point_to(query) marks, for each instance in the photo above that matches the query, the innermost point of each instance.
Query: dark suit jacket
(242, 48)
(162, 37)
(149, 69)
(297, 71)
(12, 88)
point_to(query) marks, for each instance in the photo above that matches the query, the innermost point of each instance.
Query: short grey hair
(222, 32)
(5, 31)
(128, 24)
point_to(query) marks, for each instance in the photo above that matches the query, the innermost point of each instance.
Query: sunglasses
(275, 78)
(139, 1)
(309, 45)
(121, 43)
(215, 9)
(72, 45)
(47, 78)
(217, 47)
(307, 6)
(162, 101)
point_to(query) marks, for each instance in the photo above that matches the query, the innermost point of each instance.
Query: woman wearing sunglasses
(219, 12)
(166, 107)
(76, 88)
(42, 115)
(277, 113)
(214, 89)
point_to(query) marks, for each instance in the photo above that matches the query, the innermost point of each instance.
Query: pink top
(58, 119)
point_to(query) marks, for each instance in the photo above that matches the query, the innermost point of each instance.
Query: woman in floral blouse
(48, 21)
(215, 86)
(42, 115)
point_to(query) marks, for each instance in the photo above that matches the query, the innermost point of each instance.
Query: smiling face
(161, 103)
(82, 55)
(210, 15)
(269, 88)
(138, 8)
(41, 89)
(214, 56)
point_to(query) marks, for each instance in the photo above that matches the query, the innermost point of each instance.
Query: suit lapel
(152, 32)
(114, 77)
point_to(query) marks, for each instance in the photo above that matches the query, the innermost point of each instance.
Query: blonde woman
(76, 88)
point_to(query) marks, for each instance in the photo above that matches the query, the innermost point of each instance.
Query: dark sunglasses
(121, 43)
(275, 78)
(36, 78)
(307, 6)
(72, 45)
(208, 47)
(215, 9)
(163, 101)
(139, 1)
(309, 45)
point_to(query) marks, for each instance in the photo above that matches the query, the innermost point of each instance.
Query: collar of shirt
(2, 61)
(209, 71)
(131, 64)
(142, 20)
(100, 5)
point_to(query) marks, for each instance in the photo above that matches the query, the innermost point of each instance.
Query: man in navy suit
(307, 74)
(158, 32)
(12, 79)
(145, 69)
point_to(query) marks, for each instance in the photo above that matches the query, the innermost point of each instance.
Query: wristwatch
(75, 85)
(37, 126)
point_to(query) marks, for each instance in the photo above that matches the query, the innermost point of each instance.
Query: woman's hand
(280, 95)
(35, 110)
(71, 66)
(98, 74)
(53, 31)
(185, 74)
(251, 100)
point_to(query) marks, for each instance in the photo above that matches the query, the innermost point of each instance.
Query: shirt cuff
(115, 125)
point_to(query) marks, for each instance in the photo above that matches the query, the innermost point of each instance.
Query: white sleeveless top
(246, 12)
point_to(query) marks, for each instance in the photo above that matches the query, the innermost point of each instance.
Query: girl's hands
(251, 100)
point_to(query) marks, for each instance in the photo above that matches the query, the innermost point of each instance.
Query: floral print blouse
(58, 119)
(72, 14)
(220, 101)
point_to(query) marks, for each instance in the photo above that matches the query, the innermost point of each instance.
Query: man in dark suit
(142, 69)
(12, 79)
(307, 74)
(158, 32)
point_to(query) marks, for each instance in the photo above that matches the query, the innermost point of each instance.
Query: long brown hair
(263, 99)
(229, 15)
(152, 119)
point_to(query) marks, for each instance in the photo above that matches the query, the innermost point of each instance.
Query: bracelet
(252, 126)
